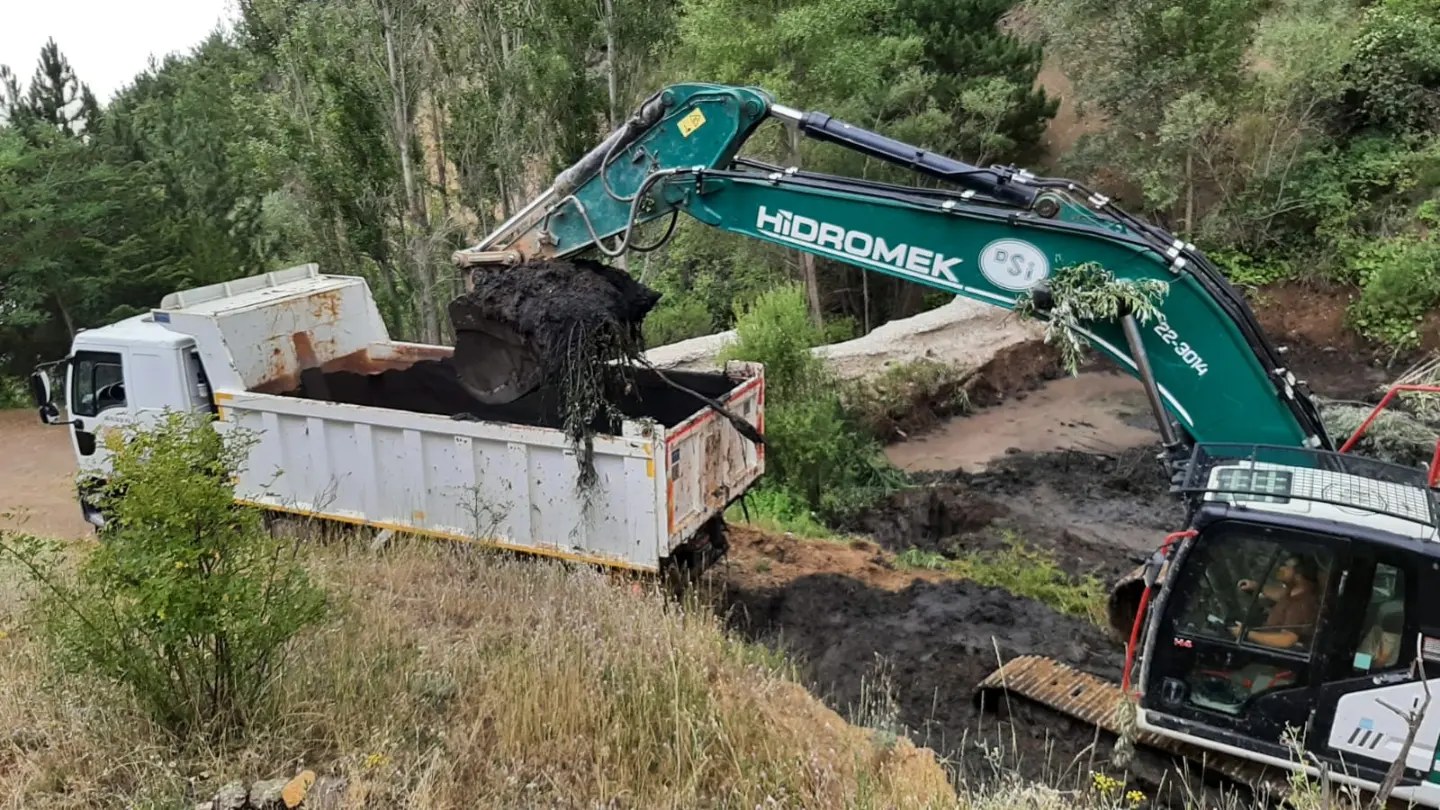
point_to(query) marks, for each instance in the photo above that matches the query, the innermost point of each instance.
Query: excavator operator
(1296, 604)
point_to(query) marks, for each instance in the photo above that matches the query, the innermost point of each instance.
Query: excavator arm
(992, 235)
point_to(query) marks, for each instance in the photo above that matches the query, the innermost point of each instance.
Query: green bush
(776, 330)
(813, 448)
(677, 318)
(1400, 282)
(13, 393)
(187, 600)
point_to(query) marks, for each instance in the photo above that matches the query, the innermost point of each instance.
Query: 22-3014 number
(1191, 357)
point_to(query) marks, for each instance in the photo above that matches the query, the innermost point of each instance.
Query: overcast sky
(106, 41)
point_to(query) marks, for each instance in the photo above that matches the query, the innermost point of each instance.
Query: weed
(918, 558)
(450, 677)
(907, 397)
(1022, 570)
(774, 509)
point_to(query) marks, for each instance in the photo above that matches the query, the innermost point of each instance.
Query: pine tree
(985, 78)
(56, 97)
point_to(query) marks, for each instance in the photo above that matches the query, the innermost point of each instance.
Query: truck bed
(405, 448)
(352, 426)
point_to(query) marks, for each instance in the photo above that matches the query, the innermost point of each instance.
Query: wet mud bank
(433, 387)
(1093, 513)
(906, 649)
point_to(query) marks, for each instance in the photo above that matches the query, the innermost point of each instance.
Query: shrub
(776, 330)
(1400, 282)
(187, 600)
(814, 449)
(677, 318)
(907, 397)
(13, 393)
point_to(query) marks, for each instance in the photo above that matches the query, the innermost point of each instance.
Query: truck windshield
(99, 383)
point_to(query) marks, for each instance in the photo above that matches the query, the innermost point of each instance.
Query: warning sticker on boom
(691, 122)
(1014, 264)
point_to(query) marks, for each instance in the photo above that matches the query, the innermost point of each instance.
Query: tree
(985, 76)
(58, 99)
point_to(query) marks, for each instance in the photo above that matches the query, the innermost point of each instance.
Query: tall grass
(454, 678)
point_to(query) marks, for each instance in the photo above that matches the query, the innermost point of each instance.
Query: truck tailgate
(708, 463)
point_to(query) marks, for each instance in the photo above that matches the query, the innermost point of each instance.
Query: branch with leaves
(1084, 293)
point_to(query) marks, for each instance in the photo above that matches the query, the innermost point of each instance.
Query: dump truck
(352, 426)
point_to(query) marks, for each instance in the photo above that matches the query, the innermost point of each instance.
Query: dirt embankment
(858, 625)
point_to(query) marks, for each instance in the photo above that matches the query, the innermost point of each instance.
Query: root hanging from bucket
(571, 324)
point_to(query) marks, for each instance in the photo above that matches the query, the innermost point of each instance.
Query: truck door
(97, 401)
(1372, 666)
(1243, 634)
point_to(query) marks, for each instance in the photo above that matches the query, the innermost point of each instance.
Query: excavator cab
(1294, 601)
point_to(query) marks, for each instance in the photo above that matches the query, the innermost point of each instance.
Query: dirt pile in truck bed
(545, 322)
(558, 323)
(432, 387)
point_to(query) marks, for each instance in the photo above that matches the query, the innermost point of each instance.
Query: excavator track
(1096, 701)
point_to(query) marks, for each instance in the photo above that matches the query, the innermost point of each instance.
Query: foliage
(671, 322)
(813, 448)
(14, 393)
(1395, 75)
(1088, 292)
(774, 508)
(187, 601)
(1400, 283)
(906, 397)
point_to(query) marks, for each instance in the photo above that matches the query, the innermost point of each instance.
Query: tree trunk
(610, 57)
(807, 260)
(1189, 193)
(612, 115)
(65, 315)
(415, 226)
(865, 298)
(403, 127)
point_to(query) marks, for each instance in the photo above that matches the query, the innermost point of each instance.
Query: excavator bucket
(521, 327)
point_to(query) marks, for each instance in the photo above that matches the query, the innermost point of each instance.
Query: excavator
(1289, 602)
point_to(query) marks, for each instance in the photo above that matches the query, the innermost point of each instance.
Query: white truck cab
(101, 393)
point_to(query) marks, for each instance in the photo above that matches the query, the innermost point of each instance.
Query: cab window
(99, 383)
(1247, 619)
(1258, 591)
(1383, 628)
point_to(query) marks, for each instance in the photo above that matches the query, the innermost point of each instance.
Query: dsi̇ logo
(1013, 264)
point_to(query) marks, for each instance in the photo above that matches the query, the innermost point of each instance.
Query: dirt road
(37, 468)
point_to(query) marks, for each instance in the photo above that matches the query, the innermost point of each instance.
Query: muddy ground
(1064, 464)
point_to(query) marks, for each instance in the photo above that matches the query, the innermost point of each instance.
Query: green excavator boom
(989, 234)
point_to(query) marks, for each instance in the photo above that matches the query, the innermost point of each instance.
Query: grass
(774, 509)
(455, 678)
(907, 397)
(1023, 571)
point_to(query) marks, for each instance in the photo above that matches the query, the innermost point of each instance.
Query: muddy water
(1097, 412)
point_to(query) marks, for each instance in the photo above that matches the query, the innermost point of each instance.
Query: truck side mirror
(40, 388)
(40, 392)
(49, 414)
